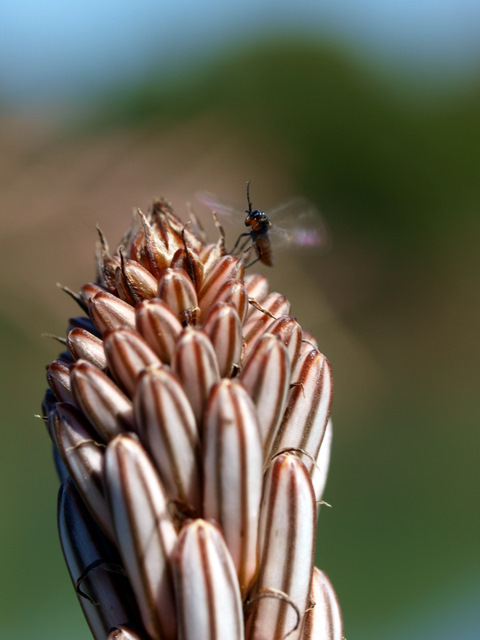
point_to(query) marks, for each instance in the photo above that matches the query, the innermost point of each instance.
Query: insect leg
(242, 235)
(259, 256)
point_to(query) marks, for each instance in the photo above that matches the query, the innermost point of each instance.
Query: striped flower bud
(323, 620)
(177, 291)
(274, 306)
(109, 312)
(101, 401)
(227, 268)
(195, 364)
(145, 532)
(123, 633)
(308, 408)
(83, 457)
(58, 377)
(191, 424)
(133, 282)
(233, 473)
(159, 327)
(83, 344)
(127, 355)
(266, 376)
(224, 328)
(168, 429)
(207, 590)
(103, 590)
(286, 549)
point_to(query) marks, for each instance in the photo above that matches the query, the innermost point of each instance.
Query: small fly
(299, 224)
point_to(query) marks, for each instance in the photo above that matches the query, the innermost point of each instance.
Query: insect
(299, 224)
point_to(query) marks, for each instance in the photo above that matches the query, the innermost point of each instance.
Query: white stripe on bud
(83, 344)
(107, 408)
(195, 365)
(233, 461)
(308, 408)
(102, 588)
(266, 377)
(227, 268)
(167, 427)
(145, 532)
(109, 312)
(159, 327)
(274, 306)
(286, 543)
(320, 469)
(224, 329)
(127, 355)
(177, 291)
(324, 620)
(206, 586)
(83, 456)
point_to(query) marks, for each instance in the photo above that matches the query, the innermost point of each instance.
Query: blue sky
(51, 47)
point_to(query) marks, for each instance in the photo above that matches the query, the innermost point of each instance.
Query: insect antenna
(248, 197)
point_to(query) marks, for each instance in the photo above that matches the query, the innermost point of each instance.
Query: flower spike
(190, 418)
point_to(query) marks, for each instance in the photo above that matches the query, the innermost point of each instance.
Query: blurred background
(372, 111)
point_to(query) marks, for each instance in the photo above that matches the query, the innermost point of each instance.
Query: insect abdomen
(264, 249)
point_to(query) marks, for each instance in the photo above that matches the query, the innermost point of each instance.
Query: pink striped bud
(109, 312)
(207, 593)
(107, 408)
(286, 545)
(195, 365)
(233, 459)
(308, 408)
(144, 531)
(159, 327)
(82, 344)
(168, 429)
(323, 620)
(83, 456)
(227, 268)
(274, 306)
(127, 355)
(134, 283)
(266, 377)
(58, 377)
(223, 327)
(177, 291)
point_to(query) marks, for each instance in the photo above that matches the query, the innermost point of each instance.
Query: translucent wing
(297, 222)
(220, 206)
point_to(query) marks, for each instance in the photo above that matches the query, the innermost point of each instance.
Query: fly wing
(222, 207)
(298, 222)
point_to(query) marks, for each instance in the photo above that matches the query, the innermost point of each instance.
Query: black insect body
(258, 236)
(300, 226)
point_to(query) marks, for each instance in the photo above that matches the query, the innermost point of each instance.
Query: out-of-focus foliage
(393, 160)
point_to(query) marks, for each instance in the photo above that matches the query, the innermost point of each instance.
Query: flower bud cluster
(190, 422)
